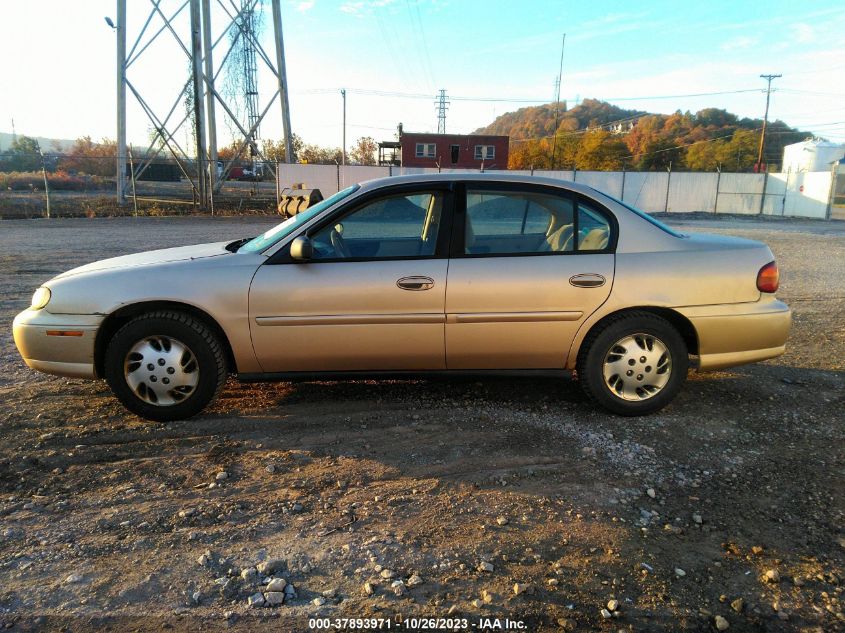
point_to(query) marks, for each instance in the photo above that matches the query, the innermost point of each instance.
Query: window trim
(483, 153)
(441, 249)
(425, 153)
(456, 250)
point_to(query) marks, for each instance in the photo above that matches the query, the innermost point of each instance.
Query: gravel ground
(487, 499)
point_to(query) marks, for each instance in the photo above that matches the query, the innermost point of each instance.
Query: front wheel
(165, 366)
(634, 364)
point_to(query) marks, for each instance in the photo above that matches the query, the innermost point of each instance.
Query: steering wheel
(340, 248)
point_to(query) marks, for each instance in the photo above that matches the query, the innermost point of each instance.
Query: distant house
(454, 151)
(389, 154)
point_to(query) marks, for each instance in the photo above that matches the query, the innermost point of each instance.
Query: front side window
(280, 231)
(499, 223)
(392, 227)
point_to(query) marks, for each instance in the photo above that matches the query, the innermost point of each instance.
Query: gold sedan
(418, 275)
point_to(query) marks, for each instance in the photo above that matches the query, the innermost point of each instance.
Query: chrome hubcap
(161, 370)
(637, 367)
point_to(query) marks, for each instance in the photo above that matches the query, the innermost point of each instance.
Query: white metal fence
(803, 194)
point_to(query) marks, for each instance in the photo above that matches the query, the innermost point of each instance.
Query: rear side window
(501, 223)
(593, 229)
(529, 222)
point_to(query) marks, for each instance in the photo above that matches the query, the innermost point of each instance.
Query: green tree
(740, 153)
(24, 155)
(705, 156)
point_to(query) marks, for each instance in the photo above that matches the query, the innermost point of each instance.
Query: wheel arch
(681, 323)
(117, 319)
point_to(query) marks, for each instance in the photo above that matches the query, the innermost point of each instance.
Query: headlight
(40, 298)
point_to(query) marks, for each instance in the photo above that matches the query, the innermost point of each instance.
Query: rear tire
(633, 364)
(165, 365)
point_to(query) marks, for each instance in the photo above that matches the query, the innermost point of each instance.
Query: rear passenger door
(528, 264)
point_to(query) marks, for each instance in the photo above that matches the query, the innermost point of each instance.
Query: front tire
(633, 364)
(165, 365)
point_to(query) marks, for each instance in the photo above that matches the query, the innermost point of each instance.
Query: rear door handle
(587, 280)
(415, 283)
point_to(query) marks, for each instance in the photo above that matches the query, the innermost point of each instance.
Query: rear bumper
(740, 333)
(60, 344)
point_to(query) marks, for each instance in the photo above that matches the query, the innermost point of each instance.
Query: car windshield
(280, 231)
(645, 216)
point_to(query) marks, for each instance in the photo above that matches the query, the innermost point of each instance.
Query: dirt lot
(153, 198)
(513, 493)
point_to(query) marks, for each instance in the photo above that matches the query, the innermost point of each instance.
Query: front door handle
(587, 280)
(415, 283)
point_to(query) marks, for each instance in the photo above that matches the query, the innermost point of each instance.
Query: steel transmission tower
(198, 42)
(442, 103)
(250, 69)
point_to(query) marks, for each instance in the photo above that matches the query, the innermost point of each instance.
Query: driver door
(372, 297)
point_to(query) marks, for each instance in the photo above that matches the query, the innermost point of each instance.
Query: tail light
(768, 278)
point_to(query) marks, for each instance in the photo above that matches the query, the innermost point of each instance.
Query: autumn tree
(316, 155)
(89, 157)
(364, 151)
(599, 150)
(274, 151)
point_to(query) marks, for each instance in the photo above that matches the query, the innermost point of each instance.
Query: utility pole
(209, 103)
(343, 94)
(46, 184)
(768, 78)
(199, 104)
(442, 103)
(120, 32)
(282, 77)
(557, 101)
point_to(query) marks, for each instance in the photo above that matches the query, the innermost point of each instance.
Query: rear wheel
(634, 364)
(165, 366)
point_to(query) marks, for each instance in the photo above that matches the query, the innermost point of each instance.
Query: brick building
(454, 151)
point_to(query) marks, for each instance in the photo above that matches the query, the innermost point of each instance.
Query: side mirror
(301, 249)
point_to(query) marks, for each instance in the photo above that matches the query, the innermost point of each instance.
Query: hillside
(538, 121)
(598, 135)
(46, 144)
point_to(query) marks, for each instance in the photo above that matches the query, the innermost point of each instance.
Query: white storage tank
(811, 155)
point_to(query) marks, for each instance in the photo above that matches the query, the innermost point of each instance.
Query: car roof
(377, 183)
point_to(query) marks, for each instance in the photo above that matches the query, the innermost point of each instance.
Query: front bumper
(740, 333)
(60, 344)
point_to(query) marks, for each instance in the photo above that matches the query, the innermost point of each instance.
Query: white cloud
(361, 7)
(305, 5)
(739, 43)
(803, 32)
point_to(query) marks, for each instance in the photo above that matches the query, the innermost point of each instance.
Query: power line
(426, 58)
(557, 99)
(812, 93)
(674, 147)
(421, 95)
